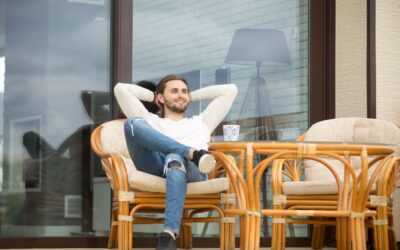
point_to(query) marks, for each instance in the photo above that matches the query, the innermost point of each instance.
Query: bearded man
(169, 145)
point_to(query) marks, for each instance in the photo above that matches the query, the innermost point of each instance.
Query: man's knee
(131, 123)
(174, 162)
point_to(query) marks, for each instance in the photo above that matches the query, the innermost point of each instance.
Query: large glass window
(261, 46)
(199, 39)
(54, 88)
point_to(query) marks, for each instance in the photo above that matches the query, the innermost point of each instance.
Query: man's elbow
(119, 89)
(233, 89)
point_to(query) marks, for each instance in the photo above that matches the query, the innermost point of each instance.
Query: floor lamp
(258, 46)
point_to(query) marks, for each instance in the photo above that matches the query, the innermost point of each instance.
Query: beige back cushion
(113, 141)
(352, 129)
(113, 138)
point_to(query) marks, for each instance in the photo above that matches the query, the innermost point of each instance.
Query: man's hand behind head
(152, 107)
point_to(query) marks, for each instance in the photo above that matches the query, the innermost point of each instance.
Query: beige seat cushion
(309, 187)
(353, 130)
(113, 140)
(142, 181)
(321, 187)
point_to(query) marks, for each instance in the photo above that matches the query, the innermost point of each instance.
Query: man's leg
(175, 173)
(179, 172)
(193, 174)
(145, 160)
(147, 137)
(144, 141)
(148, 147)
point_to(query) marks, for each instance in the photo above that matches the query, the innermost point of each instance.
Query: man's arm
(222, 96)
(129, 97)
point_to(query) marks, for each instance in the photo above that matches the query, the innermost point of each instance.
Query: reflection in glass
(56, 90)
(258, 46)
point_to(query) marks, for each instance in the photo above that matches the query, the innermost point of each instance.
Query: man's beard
(174, 108)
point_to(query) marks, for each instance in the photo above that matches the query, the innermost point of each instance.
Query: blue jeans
(157, 154)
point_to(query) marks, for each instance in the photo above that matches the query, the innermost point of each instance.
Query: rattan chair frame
(124, 212)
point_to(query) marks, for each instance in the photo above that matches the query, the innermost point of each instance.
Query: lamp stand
(257, 94)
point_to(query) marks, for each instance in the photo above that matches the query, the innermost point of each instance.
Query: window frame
(321, 103)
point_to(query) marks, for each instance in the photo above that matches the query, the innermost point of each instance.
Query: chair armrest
(114, 166)
(219, 170)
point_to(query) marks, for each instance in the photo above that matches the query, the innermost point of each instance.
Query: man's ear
(160, 98)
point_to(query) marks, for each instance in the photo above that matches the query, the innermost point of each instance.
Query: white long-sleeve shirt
(195, 131)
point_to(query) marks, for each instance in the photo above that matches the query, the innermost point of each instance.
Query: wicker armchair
(380, 200)
(135, 191)
(337, 184)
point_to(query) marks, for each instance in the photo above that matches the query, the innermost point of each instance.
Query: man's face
(175, 97)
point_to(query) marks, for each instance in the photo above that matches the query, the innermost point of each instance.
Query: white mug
(231, 132)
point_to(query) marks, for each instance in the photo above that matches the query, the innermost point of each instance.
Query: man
(170, 145)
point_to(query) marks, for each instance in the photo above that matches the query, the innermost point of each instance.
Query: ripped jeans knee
(174, 161)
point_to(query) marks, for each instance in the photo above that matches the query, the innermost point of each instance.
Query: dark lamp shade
(258, 45)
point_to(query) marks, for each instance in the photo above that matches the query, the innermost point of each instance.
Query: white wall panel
(351, 47)
(388, 60)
